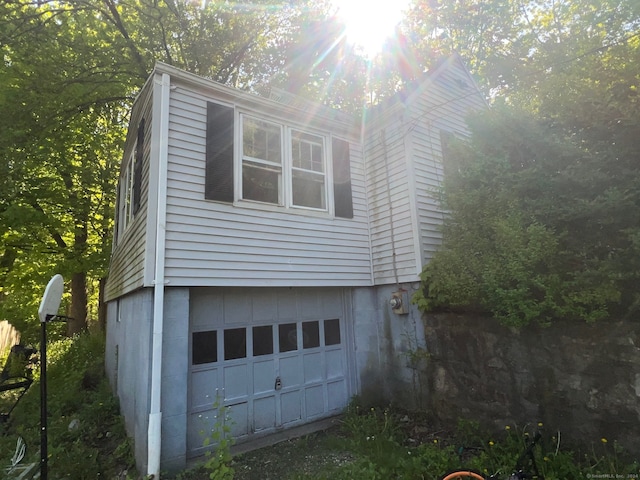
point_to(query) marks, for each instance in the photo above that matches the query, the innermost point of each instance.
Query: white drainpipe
(154, 440)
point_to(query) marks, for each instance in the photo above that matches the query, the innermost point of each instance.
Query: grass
(86, 436)
(382, 444)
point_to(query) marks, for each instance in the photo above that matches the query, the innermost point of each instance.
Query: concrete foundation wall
(389, 347)
(127, 363)
(175, 376)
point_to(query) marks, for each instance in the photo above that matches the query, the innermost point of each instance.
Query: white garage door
(268, 376)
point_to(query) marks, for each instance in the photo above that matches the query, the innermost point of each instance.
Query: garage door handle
(278, 384)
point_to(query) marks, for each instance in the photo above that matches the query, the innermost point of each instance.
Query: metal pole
(43, 400)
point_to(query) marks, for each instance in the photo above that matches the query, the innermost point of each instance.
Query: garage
(265, 359)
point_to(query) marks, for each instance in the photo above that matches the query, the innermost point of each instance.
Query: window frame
(285, 193)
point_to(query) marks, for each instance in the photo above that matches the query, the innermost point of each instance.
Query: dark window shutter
(219, 154)
(137, 171)
(342, 179)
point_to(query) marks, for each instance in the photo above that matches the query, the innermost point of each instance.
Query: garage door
(267, 376)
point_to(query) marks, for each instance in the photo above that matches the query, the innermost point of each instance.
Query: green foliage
(470, 447)
(86, 435)
(219, 459)
(535, 231)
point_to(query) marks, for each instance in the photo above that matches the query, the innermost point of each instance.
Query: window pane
(308, 189)
(261, 140)
(262, 340)
(261, 183)
(332, 332)
(204, 347)
(310, 334)
(235, 343)
(288, 335)
(307, 151)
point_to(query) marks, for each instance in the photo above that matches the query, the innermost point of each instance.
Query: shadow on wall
(583, 379)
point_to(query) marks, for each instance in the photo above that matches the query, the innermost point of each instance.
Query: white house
(259, 243)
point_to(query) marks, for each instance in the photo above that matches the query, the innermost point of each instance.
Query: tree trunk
(102, 306)
(78, 311)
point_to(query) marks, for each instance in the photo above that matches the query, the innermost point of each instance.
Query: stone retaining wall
(582, 379)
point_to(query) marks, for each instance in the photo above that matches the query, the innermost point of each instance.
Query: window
(125, 211)
(262, 340)
(276, 163)
(332, 332)
(288, 336)
(235, 343)
(296, 179)
(307, 171)
(310, 334)
(204, 347)
(261, 161)
(129, 189)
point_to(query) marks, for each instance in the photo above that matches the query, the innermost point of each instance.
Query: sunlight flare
(369, 23)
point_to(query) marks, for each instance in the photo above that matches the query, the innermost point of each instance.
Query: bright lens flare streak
(370, 22)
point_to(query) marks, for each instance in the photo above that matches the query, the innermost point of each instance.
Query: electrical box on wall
(400, 302)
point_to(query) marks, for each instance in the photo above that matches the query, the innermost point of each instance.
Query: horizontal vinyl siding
(444, 106)
(126, 269)
(391, 225)
(215, 244)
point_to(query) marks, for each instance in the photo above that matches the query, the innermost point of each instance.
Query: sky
(370, 22)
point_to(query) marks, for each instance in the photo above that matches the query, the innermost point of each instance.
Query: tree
(559, 171)
(70, 71)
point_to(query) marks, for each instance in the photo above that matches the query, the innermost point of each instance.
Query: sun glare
(370, 22)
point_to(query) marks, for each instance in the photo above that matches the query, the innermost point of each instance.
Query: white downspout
(154, 440)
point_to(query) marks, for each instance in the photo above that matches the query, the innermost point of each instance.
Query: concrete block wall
(127, 362)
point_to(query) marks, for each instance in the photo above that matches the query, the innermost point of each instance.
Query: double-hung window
(308, 179)
(282, 166)
(261, 161)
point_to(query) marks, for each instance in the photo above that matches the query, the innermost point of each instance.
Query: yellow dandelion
(491, 444)
(540, 424)
(603, 440)
(507, 427)
(435, 441)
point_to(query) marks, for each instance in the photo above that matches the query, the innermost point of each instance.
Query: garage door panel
(235, 382)
(335, 363)
(337, 395)
(237, 418)
(264, 376)
(264, 413)
(312, 367)
(200, 426)
(291, 371)
(314, 401)
(291, 406)
(204, 386)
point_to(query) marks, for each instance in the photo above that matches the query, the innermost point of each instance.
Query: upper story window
(261, 161)
(308, 185)
(271, 173)
(130, 186)
(277, 164)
